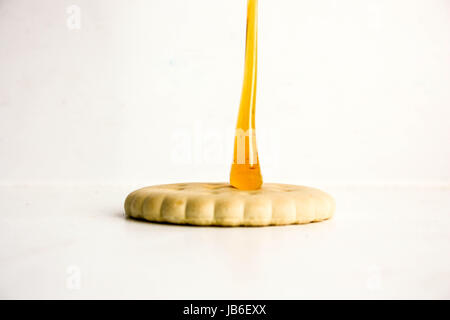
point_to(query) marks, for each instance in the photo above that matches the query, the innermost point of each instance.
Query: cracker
(220, 204)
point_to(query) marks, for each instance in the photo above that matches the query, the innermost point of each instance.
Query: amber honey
(245, 171)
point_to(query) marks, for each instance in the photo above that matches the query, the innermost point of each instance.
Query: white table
(72, 242)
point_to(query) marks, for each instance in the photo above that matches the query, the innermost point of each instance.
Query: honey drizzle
(245, 171)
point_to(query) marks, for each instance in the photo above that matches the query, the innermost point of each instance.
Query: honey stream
(245, 171)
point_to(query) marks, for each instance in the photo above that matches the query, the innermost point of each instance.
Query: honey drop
(245, 171)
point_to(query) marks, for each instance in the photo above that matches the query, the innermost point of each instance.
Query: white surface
(363, 81)
(386, 242)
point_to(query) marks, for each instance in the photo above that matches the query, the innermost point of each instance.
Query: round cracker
(220, 204)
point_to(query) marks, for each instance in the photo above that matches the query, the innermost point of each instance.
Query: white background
(353, 97)
(349, 91)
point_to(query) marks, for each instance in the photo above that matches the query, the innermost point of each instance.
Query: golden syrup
(245, 172)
